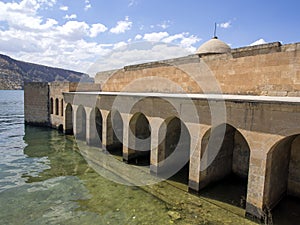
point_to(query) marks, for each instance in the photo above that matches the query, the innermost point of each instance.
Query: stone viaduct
(208, 115)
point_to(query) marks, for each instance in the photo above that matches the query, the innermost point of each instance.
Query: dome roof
(213, 46)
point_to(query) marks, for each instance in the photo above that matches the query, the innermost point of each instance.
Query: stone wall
(83, 87)
(36, 105)
(56, 111)
(269, 69)
(56, 90)
(277, 173)
(294, 169)
(241, 156)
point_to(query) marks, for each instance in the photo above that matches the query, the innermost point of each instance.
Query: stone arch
(225, 166)
(94, 136)
(69, 119)
(114, 132)
(139, 138)
(62, 107)
(80, 132)
(51, 106)
(283, 171)
(174, 150)
(56, 106)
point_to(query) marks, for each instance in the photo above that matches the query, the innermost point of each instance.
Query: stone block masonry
(36, 104)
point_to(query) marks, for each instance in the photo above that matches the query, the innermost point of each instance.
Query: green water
(68, 191)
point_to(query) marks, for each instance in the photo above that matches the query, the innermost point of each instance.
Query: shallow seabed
(56, 185)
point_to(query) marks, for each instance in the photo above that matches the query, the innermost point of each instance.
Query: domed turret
(213, 46)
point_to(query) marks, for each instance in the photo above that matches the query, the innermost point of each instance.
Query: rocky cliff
(14, 73)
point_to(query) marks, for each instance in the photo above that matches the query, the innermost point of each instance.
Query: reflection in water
(60, 150)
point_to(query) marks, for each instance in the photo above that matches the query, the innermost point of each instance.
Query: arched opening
(114, 133)
(174, 152)
(68, 119)
(51, 105)
(56, 107)
(81, 123)
(282, 190)
(62, 107)
(60, 127)
(225, 156)
(99, 122)
(139, 140)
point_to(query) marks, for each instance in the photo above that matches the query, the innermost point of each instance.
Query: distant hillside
(14, 73)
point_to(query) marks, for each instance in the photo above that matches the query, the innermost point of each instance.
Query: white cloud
(184, 40)
(138, 37)
(225, 25)
(155, 37)
(87, 5)
(136, 53)
(25, 6)
(70, 17)
(64, 8)
(174, 37)
(258, 42)
(119, 45)
(122, 26)
(49, 3)
(96, 29)
(74, 30)
(188, 42)
(132, 3)
(23, 15)
(165, 24)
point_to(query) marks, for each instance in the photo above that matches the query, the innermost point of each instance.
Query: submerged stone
(174, 215)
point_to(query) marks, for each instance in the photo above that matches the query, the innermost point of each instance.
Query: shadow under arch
(174, 151)
(62, 107)
(224, 169)
(282, 184)
(95, 128)
(68, 129)
(99, 123)
(51, 105)
(56, 106)
(114, 133)
(139, 140)
(80, 132)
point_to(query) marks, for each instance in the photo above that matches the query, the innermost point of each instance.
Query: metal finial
(215, 31)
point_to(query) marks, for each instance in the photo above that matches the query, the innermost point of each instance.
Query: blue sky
(74, 34)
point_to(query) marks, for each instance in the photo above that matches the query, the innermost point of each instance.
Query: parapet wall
(44, 102)
(36, 102)
(270, 69)
(83, 87)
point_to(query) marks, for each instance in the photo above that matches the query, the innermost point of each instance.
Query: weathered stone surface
(174, 215)
(269, 69)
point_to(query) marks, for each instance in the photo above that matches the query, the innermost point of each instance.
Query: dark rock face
(14, 73)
